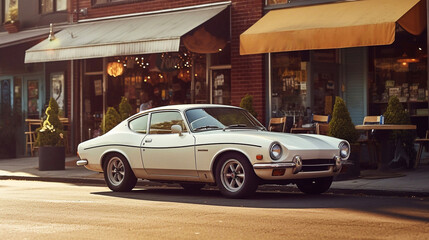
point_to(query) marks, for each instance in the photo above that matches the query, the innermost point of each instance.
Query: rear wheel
(118, 174)
(314, 186)
(235, 176)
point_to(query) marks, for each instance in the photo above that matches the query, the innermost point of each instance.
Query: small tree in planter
(50, 139)
(110, 120)
(247, 103)
(125, 108)
(341, 126)
(395, 114)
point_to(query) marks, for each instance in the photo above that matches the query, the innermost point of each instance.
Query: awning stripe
(97, 51)
(153, 33)
(326, 26)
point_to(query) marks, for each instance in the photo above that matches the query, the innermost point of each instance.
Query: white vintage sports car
(196, 145)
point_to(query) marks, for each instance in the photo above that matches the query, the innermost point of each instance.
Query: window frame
(54, 7)
(109, 3)
(147, 123)
(297, 3)
(172, 111)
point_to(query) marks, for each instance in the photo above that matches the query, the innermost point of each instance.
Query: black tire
(118, 174)
(314, 186)
(235, 176)
(192, 187)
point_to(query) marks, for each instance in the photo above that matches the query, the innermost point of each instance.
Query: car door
(167, 153)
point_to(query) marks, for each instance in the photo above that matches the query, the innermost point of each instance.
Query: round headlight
(344, 150)
(275, 151)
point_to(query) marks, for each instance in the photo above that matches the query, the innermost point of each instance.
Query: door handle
(148, 140)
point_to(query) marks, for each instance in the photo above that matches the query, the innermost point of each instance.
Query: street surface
(49, 210)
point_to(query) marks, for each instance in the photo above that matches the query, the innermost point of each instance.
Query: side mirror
(176, 129)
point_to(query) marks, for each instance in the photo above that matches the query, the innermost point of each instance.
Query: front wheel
(235, 176)
(314, 186)
(118, 174)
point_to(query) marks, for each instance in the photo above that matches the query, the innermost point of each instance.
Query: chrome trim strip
(318, 165)
(273, 165)
(82, 162)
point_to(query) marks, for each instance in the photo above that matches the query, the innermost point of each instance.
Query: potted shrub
(247, 103)
(341, 126)
(124, 108)
(402, 141)
(12, 23)
(50, 139)
(110, 120)
(10, 122)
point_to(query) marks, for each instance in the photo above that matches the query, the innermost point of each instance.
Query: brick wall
(247, 71)
(134, 7)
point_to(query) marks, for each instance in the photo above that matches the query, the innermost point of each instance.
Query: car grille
(315, 165)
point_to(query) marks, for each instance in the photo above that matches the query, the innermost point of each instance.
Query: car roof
(183, 107)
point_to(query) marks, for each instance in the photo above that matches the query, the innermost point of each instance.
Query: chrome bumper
(297, 165)
(273, 165)
(82, 162)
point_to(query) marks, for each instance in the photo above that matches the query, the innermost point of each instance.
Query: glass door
(221, 85)
(325, 81)
(92, 93)
(5, 91)
(33, 97)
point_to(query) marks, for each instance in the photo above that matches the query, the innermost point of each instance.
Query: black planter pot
(52, 158)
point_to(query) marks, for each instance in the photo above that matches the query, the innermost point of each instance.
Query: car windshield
(212, 118)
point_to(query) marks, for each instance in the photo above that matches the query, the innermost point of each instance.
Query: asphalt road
(48, 210)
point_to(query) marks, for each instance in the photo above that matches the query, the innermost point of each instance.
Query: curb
(280, 188)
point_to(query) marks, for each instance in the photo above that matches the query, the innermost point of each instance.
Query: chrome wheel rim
(115, 171)
(232, 175)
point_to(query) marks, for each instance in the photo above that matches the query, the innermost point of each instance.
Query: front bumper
(298, 169)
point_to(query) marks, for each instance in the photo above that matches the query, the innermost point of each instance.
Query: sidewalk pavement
(403, 182)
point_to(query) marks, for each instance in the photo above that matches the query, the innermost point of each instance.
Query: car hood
(291, 141)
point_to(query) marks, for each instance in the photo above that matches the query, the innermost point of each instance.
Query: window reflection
(161, 122)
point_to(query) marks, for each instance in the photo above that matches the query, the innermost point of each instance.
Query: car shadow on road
(416, 209)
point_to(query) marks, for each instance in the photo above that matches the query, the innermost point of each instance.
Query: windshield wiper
(206, 127)
(236, 126)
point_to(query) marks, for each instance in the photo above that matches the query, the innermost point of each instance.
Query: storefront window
(400, 70)
(10, 10)
(297, 2)
(107, 1)
(17, 93)
(160, 79)
(221, 84)
(289, 85)
(49, 6)
(33, 98)
(297, 92)
(5, 92)
(324, 81)
(273, 2)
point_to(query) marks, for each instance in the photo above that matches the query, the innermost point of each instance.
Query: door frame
(215, 68)
(42, 94)
(11, 78)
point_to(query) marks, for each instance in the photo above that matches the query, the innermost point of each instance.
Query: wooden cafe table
(382, 136)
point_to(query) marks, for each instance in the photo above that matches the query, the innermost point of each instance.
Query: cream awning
(335, 25)
(12, 39)
(151, 33)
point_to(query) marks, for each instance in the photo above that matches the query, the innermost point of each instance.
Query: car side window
(161, 122)
(139, 124)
